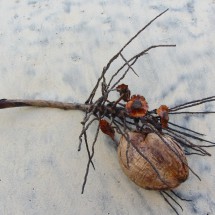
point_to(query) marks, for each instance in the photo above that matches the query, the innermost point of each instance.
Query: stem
(9, 103)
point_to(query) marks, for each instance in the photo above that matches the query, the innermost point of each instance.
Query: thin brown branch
(186, 129)
(90, 160)
(168, 202)
(84, 129)
(105, 69)
(141, 30)
(192, 103)
(191, 112)
(173, 199)
(10, 103)
(185, 142)
(133, 60)
(190, 135)
(128, 64)
(182, 199)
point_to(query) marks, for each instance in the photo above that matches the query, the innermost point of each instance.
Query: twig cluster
(120, 120)
(115, 111)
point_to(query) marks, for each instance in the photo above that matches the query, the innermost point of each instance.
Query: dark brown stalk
(166, 195)
(190, 135)
(89, 160)
(11, 103)
(182, 199)
(190, 112)
(192, 104)
(168, 202)
(186, 129)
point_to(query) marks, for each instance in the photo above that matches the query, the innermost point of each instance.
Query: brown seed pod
(152, 162)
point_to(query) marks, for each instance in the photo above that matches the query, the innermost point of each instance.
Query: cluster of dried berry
(136, 107)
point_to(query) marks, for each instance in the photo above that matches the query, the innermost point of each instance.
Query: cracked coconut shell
(153, 163)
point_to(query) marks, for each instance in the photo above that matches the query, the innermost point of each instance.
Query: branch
(92, 94)
(7, 103)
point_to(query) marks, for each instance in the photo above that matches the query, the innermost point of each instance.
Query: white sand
(56, 50)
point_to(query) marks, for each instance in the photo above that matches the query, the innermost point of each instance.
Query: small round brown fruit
(153, 162)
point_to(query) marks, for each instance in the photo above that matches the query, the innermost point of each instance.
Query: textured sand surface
(56, 49)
